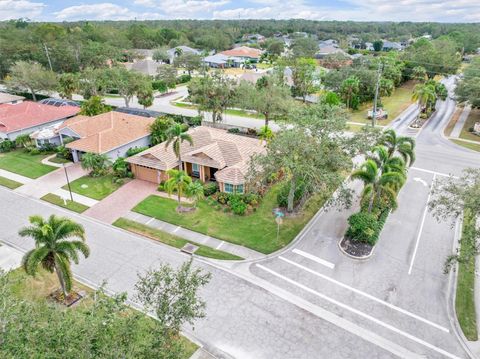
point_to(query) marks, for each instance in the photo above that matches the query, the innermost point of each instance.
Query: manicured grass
(448, 130)
(171, 240)
(233, 112)
(58, 160)
(469, 145)
(394, 105)
(24, 164)
(257, 231)
(97, 187)
(469, 123)
(465, 296)
(58, 201)
(6, 182)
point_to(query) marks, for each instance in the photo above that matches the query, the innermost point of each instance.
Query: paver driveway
(120, 202)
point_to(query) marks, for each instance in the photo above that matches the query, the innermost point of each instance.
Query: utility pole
(48, 56)
(68, 181)
(374, 112)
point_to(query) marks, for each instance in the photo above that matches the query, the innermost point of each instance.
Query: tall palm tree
(54, 250)
(378, 184)
(403, 145)
(195, 191)
(423, 94)
(349, 88)
(176, 135)
(177, 181)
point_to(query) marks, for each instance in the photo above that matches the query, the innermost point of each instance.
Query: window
(195, 169)
(239, 188)
(228, 188)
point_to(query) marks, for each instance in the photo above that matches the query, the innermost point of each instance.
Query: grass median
(171, 240)
(6, 182)
(68, 204)
(465, 295)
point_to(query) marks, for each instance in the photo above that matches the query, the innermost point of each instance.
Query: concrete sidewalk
(461, 122)
(87, 201)
(15, 177)
(196, 237)
(10, 258)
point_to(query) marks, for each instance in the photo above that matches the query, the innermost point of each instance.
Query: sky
(359, 10)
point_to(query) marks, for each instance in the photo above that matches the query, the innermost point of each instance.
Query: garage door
(146, 174)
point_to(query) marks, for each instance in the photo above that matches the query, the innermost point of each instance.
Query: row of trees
(468, 88)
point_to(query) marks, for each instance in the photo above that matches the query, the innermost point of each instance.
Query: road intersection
(309, 300)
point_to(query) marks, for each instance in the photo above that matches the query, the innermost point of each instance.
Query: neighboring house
(329, 42)
(390, 45)
(27, 117)
(251, 77)
(147, 67)
(369, 46)
(11, 99)
(217, 61)
(144, 54)
(329, 50)
(215, 155)
(253, 38)
(174, 52)
(244, 53)
(59, 102)
(111, 133)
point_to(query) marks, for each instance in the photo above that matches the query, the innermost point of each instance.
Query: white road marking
(314, 258)
(418, 179)
(366, 295)
(432, 172)
(176, 229)
(221, 244)
(150, 220)
(421, 227)
(360, 313)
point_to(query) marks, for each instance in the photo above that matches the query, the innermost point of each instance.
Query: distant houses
(235, 57)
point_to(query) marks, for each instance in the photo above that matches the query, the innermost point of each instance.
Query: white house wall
(122, 151)
(13, 135)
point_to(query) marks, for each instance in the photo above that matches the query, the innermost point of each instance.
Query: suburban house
(253, 38)
(147, 67)
(146, 54)
(244, 53)
(327, 50)
(390, 45)
(235, 57)
(28, 116)
(111, 133)
(215, 155)
(176, 51)
(220, 61)
(8, 98)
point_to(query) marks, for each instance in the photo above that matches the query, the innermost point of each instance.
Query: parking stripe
(360, 313)
(314, 258)
(366, 295)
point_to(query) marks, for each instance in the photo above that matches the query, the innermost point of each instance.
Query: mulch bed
(72, 298)
(166, 94)
(356, 249)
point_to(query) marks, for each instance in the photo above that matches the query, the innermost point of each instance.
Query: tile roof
(27, 114)
(6, 97)
(243, 51)
(212, 147)
(146, 67)
(107, 131)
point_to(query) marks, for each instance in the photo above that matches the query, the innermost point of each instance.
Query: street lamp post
(68, 181)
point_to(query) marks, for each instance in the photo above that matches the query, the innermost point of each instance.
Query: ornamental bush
(237, 205)
(363, 227)
(210, 188)
(7, 146)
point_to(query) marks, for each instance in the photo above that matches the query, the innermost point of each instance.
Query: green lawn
(59, 160)
(257, 231)
(6, 182)
(24, 164)
(96, 187)
(469, 123)
(394, 105)
(56, 200)
(469, 145)
(465, 296)
(171, 240)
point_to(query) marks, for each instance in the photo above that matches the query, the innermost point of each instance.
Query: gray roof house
(182, 49)
(390, 45)
(329, 50)
(146, 67)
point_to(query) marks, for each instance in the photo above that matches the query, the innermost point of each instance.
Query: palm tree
(96, 163)
(195, 191)
(177, 181)
(378, 184)
(175, 136)
(403, 145)
(54, 250)
(349, 88)
(423, 94)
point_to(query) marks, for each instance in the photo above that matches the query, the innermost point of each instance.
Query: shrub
(35, 151)
(63, 152)
(223, 197)
(120, 168)
(7, 146)
(251, 199)
(134, 150)
(159, 85)
(363, 227)
(210, 188)
(237, 205)
(251, 132)
(161, 186)
(233, 130)
(282, 195)
(183, 78)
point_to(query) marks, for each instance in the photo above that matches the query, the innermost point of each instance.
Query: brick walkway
(120, 202)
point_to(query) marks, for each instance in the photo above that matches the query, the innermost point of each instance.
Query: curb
(364, 258)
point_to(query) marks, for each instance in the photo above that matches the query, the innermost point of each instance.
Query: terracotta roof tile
(27, 114)
(243, 51)
(107, 131)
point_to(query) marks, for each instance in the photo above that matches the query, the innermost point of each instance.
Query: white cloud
(362, 10)
(184, 8)
(102, 11)
(15, 9)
